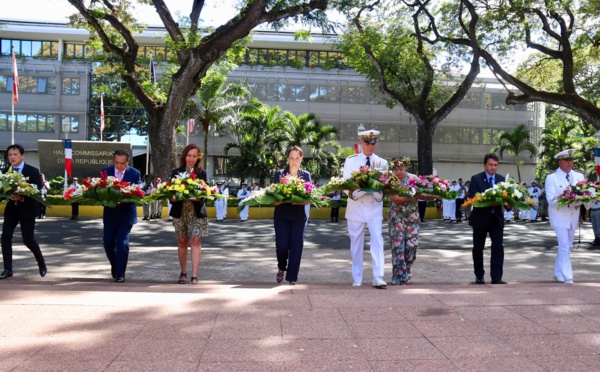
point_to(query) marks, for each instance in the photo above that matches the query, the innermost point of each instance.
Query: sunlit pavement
(238, 318)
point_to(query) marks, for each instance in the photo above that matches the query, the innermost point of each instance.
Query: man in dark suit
(119, 221)
(489, 220)
(21, 210)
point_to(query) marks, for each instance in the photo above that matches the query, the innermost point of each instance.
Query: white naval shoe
(356, 284)
(569, 281)
(379, 283)
(559, 279)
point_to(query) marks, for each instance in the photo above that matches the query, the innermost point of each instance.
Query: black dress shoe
(43, 271)
(499, 282)
(479, 281)
(120, 279)
(6, 274)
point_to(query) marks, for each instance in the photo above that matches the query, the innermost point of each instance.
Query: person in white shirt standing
(564, 220)
(366, 209)
(221, 203)
(242, 194)
(535, 191)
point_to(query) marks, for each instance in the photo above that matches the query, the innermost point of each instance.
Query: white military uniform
(221, 203)
(564, 221)
(452, 203)
(535, 192)
(367, 210)
(243, 194)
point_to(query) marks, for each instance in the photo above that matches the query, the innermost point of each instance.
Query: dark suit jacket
(480, 217)
(28, 208)
(199, 205)
(288, 211)
(125, 212)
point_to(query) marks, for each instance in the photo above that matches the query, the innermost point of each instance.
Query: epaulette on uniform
(351, 156)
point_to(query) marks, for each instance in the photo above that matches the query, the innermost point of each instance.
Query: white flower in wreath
(518, 194)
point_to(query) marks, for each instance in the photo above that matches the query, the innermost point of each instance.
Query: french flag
(68, 157)
(597, 159)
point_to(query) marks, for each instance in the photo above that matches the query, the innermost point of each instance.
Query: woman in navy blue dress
(290, 222)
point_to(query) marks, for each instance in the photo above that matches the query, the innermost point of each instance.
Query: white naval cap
(566, 154)
(369, 136)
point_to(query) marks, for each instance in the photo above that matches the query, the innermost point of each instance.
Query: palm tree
(515, 142)
(214, 100)
(307, 130)
(260, 136)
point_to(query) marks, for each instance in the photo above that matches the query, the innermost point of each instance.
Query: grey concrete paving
(238, 318)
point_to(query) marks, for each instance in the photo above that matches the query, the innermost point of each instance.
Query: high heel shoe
(292, 283)
(182, 278)
(194, 280)
(280, 276)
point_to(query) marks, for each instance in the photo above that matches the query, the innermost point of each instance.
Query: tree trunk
(163, 146)
(425, 147)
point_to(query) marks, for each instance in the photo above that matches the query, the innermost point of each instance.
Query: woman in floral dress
(403, 224)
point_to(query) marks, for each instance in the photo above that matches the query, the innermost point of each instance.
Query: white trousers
(445, 209)
(508, 215)
(244, 213)
(356, 231)
(221, 206)
(562, 265)
(452, 209)
(307, 210)
(532, 214)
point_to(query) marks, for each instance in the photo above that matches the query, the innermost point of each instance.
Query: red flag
(102, 125)
(15, 78)
(192, 125)
(357, 148)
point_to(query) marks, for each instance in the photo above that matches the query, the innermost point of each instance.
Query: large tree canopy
(113, 25)
(387, 42)
(561, 36)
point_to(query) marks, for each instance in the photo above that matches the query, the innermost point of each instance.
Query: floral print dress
(403, 226)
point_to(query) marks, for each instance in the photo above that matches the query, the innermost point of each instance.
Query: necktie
(368, 162)
(568, 179)
(491, 181)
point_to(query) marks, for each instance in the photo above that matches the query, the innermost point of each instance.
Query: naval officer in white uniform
(366, 209)
(564, 220)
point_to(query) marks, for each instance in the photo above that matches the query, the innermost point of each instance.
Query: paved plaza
(238, 319)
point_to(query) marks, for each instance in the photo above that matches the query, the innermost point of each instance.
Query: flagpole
(12, 138)
(15, 93)
(187, 137)
(101, 118)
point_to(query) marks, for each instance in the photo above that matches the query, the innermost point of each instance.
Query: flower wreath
(395, 163)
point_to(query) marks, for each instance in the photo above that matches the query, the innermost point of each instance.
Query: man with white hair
(563, 220)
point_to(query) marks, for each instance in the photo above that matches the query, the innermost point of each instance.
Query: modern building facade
(299, 76)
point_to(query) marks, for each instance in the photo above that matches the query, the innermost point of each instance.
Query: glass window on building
(445, 135)
(71, 86)
(220, 165)
(75, 51)
(471, 101)
(408, 133)
(469, 136)
(21, 123)
(349, 94)
(73, 121)
(4, 122)
(489, 136)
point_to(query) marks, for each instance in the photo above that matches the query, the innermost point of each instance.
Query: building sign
(89, 157)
